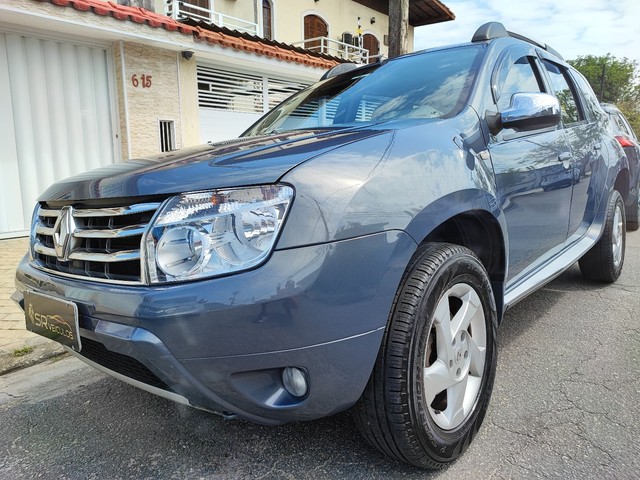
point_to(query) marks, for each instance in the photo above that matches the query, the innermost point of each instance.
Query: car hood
(245, 161)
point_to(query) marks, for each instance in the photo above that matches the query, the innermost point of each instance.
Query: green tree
(614, 80)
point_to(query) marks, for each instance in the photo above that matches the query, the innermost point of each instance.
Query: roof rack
(492, 30)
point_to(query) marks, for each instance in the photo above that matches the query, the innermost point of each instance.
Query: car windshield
(432, 84)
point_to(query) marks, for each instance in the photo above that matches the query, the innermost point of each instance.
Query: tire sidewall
(615, 201)
(447, 445)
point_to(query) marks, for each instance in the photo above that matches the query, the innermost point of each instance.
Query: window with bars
(167, 135)
(242, 92)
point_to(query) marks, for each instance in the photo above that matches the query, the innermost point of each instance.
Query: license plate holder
(53, 318)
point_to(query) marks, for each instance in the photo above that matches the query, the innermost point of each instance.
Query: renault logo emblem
(62, 233)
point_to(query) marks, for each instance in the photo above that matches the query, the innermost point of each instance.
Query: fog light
(295, 381)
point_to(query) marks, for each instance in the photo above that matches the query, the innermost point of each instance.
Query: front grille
(122, 364)
(104, 243)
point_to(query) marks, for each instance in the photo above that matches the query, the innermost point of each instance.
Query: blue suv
(356, 248)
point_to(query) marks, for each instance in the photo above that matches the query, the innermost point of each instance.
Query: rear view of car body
(627, 138)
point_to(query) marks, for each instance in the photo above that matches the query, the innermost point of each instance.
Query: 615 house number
(143, 81)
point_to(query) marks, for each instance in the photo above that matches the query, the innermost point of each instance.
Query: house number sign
(143, 80)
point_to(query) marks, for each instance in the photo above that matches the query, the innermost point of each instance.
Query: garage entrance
(56, 120)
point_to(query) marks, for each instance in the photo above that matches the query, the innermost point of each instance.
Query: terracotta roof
(238, 42)
(121, 12)
(203, 32)
(245, 41)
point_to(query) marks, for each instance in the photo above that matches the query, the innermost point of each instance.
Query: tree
(614, 80)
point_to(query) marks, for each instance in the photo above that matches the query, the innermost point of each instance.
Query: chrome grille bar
(130, 231)
(121, 256)
(115, 211)
(39, 248)
(45, 212)
(42, 230)
(102, 212)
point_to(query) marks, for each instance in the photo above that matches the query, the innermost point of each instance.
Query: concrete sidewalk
(18, 347)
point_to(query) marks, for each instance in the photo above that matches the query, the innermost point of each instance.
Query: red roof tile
(155, 20)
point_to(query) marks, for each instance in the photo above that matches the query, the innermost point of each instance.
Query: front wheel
(603, 263)
(432, 381)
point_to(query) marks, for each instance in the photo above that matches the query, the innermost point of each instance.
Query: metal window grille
(167, 135)
(241, 92)
(280, 90)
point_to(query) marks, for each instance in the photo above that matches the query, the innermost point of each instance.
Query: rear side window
(591, 103)
(618, 127)
(568, 103)
(621, 124)
(519, 77)
(627, 127)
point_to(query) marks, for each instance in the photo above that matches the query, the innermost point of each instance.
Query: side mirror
(531, 111)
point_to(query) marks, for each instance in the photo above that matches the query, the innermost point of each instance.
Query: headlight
(204, 234)
(35, 220)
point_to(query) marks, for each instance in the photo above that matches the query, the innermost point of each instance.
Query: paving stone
(13, 335)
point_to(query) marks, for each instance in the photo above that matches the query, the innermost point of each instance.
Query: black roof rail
(338, 69)
(492, 30)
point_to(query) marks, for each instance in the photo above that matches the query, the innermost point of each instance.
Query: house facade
(86, 83)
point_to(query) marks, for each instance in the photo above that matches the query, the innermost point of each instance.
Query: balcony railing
(335, 48)
(179, 10)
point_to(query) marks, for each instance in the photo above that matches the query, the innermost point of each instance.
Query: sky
(573, 28)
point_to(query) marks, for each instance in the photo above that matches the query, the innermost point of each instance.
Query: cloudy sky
(578, 27)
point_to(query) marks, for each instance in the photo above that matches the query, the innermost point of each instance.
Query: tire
(430, 388)
(603, 263)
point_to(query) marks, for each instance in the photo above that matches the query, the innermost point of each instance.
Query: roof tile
(155, 20)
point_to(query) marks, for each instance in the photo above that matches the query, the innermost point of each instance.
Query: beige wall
(244, 9)
(341, 16)
(172, 95)
(189, 102)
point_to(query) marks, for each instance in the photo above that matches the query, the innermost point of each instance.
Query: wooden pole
(398, 27)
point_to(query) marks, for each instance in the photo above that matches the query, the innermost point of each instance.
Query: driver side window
(519, 78)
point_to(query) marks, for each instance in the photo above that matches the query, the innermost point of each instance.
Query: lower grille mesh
(122, 364)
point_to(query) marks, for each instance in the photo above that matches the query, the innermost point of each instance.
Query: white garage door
(55, 120)
(230, 101)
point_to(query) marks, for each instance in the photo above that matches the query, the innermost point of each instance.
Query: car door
(583, 133)
(532, 169)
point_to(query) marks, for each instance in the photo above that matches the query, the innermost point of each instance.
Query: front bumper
(221, 344)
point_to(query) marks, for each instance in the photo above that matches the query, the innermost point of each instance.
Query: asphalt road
(565, 405)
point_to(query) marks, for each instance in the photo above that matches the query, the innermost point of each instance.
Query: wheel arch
(621, 183)
(480, 232)
(473, 219)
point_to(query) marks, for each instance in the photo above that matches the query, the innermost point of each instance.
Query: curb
(40, 353)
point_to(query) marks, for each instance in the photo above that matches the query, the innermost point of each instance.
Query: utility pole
(398, 27)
